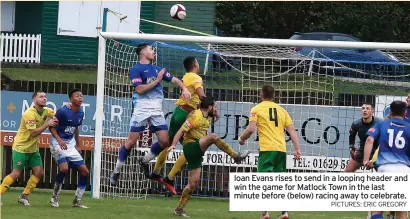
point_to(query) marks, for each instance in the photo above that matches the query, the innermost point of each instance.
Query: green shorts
(272, 161)
(193, 155)
(22, 160)
(177, 120)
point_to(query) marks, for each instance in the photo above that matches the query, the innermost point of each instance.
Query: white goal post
(308, 85)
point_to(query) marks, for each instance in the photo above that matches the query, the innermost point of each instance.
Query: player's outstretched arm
(247, 133)
(177, 136)
(36, 132)
(185, 92)
(295, 140)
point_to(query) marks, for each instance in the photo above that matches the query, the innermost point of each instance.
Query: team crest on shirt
(168, 75)
(253, 114)
(19, 163)
(372, 130)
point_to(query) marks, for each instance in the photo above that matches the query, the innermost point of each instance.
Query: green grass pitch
(154, 207)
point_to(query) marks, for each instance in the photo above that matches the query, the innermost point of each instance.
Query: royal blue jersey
(145, 74)
(68, 121)
(394, 138)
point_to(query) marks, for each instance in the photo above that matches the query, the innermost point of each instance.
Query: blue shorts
(140, 120)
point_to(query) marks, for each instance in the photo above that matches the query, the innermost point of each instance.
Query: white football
(178, 12)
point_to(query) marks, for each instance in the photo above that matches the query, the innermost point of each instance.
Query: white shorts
(155, 119)
(393, 168)
(70, 156)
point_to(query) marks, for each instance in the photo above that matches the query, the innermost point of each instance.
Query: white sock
(79, 193)
(57, 189)
(148, 157)
(118, 166)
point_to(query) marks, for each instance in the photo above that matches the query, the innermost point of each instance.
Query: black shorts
(359, 155)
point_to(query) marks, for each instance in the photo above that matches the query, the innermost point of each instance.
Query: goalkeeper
(360, 128)
(194, 84)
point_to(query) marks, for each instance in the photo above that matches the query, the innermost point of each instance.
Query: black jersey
(360, 128)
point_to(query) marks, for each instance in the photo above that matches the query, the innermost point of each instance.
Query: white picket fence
(20, 48)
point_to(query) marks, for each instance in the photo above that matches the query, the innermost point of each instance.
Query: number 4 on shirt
(273, 116)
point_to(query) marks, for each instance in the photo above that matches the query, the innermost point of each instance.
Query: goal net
(321, 84)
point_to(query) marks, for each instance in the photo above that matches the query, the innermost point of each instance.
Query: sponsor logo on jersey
(188, 124)
(135, 80)
(372, 130)
(31, 122)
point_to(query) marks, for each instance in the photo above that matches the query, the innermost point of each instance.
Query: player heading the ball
(147, 100)
(65, 147)
(25, 149)
(271, 120)
(196, 142)
(394, 149)
(183, 107)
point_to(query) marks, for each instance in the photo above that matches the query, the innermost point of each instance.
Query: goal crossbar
(256, 41)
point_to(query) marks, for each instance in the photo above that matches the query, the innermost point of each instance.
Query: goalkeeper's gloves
(352, 151)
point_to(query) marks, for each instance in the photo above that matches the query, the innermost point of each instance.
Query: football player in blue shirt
(65, 147)
(394, 149)
(407, 116)
(147, 100)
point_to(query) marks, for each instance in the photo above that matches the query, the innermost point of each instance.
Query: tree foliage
(368, 21)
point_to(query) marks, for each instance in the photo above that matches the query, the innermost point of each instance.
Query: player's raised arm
(185, 92)
(136, 79)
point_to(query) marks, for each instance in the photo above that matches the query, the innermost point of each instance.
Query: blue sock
(59, 182)
(82, 184)
(377, 216)
(156, 148)
(60, 177)
(123, 154)
(82, 181)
